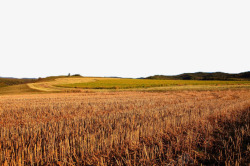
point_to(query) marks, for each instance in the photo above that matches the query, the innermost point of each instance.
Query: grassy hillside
(14, 81)
(204, 76)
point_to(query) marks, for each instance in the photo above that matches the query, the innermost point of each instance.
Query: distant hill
(14, 81)
(204, 76)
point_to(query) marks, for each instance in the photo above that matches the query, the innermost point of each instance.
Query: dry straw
(125, 128)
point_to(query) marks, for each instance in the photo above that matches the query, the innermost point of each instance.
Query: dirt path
(51, 86)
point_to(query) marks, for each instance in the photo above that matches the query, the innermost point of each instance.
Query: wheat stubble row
(121, 128)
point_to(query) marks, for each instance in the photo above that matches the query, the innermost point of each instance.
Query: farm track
(50, 86)
(125, 128)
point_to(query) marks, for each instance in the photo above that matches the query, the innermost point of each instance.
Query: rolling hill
(77, 83)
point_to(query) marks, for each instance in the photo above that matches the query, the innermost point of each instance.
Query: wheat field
(126, 128)
(122, 83)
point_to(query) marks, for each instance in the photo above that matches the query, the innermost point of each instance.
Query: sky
(129, 38)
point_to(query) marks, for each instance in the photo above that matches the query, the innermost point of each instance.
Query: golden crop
(143, 83)
(125, 128)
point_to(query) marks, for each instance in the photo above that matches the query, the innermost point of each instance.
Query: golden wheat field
(126, 128)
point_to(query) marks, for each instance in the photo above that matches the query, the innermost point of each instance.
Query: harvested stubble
(125, 128)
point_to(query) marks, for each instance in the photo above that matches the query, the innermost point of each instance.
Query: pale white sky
(129, 38)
